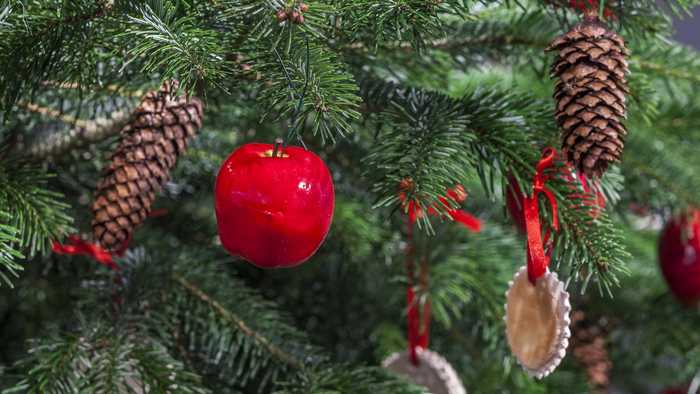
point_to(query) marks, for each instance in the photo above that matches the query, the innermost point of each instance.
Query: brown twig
(84, 131)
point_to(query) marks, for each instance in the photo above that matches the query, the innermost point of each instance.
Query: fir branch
(457, 286)
(47, 40)
(424, 146)
(176, 48)
(323, 93)
(235, 320)
(226, 331)
(102, 360)
(32, 216)
(8, 249)
(347, 379)
(256, 20)
(52, 143)
(414, 21)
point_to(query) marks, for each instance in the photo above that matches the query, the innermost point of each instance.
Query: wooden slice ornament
(537, 305)
(431, 371)
(537, 322)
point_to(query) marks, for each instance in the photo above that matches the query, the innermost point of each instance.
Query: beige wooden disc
(433, 371)
(537, 322)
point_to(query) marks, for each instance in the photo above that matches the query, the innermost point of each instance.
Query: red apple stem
(278, 141)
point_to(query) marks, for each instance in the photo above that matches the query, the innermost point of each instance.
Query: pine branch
(425, 146)
(310, 86)
(47, 40)
(51, 142)
(414, 21)
(176, 48)
(457, 285)
(102, 360)
(233, 319)
(8, 249)
(225, 331)
(349, 379)
(32, 216)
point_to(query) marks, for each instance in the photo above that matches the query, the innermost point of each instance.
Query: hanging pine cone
(588, 341)
(150, 145)
(591, 65)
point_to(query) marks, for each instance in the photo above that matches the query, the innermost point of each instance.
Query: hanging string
(292, 88)
(537, 258)
(418, 312)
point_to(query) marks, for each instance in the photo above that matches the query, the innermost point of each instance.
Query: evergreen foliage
(440, 93)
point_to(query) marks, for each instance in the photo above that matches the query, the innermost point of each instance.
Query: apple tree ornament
(274, 204)
(537, 305)
(679, 257)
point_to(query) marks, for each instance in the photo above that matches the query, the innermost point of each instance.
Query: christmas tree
(395, 165)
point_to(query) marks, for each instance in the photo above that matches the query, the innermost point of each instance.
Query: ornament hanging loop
(292, 131)
(537, 258)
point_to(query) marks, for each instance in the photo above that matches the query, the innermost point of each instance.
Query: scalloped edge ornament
(537, 322)
(432, 370)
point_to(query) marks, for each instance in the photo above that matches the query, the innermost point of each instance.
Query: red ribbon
(537, 258)
(418, 314)
(589, 6)
(418, 324)
(417, 318)
(456, 194)
(78, 246)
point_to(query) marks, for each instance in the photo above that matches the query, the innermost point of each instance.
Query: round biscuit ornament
(432, 371)
(537, 322)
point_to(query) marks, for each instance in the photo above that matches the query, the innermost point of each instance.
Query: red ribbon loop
(78, 246)
(537, 258)
(418, 324)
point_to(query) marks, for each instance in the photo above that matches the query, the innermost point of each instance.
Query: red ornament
(679, 255)
(273, 211)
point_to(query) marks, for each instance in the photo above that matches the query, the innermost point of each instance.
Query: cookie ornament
(420, 365)
(431, 371)
(537, 305)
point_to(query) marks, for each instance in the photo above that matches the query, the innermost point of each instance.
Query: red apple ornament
(679, 255)
(273, 211)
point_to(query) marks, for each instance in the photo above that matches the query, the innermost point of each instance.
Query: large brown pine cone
(150, 145)
(591, 66)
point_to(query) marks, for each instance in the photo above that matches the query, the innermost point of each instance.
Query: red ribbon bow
(537, 258)
(78, 246)
(457, 194)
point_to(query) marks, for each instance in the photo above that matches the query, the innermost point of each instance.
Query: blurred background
(689, 29)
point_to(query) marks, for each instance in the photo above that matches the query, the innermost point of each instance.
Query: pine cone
(590, 349)
(591, 65)
(150, 145)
